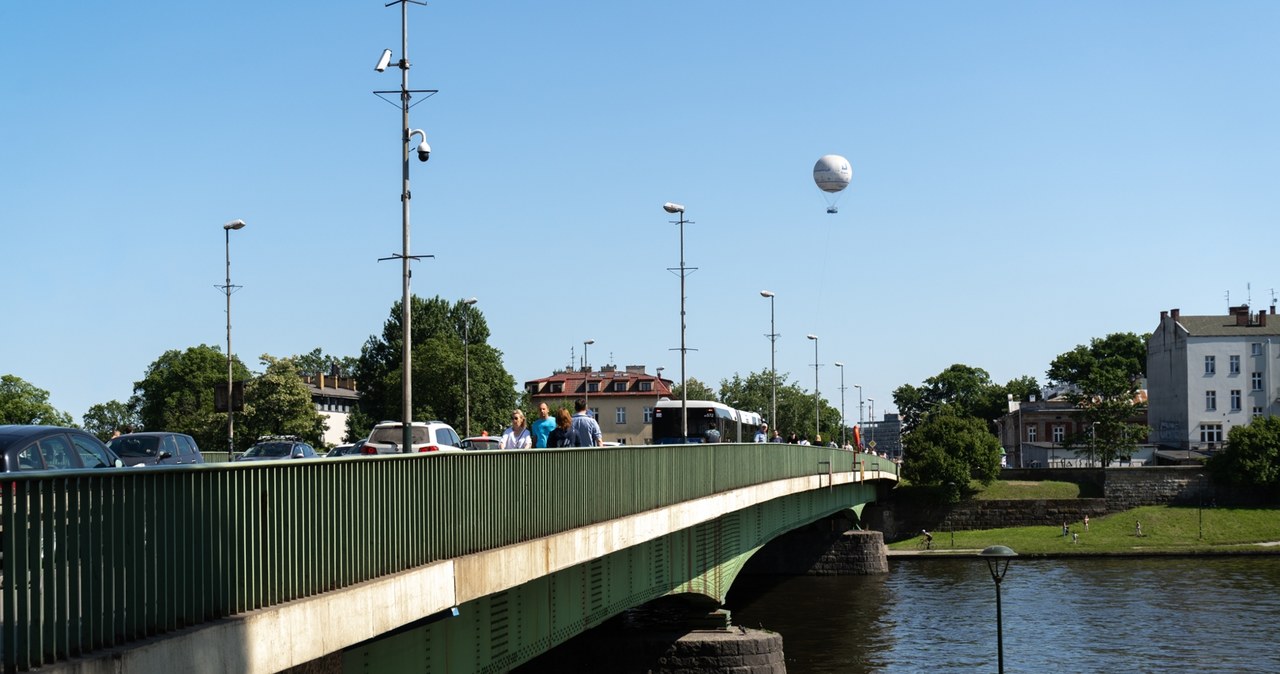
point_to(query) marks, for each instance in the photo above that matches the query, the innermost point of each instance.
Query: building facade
(334, 398)
(884, 436)
(622, 401)
(1208, 374)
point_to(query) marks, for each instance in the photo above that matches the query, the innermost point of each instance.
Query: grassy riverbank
(1165, 529)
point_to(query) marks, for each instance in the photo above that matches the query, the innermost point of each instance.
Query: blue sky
(1026, 176)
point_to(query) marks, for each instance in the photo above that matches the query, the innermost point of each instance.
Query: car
(428, 436)
(278, 448)
(28, 447)
(481, 442)
(354, 449)
(156, 448)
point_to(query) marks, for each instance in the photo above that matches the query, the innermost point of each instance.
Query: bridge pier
(827, 547)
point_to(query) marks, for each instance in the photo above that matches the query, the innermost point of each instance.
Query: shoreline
(1243, 550)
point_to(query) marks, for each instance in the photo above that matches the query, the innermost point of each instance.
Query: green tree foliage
(795, 405)
(318, 362)
(104, 419)
(439, 370)
(696, 390)
(1251, 458)
(24, 403)
(176, 394)
(1102, 380)
(947, 449)
(278, 402)
(964, 391)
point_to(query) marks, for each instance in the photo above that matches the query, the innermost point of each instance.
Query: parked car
(481, 442)
(354, 449)
(428, 436)
(156, 448)
(278, 449)
(24, 447)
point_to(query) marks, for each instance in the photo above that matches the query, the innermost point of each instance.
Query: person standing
(762, 434)
(517, 435)
(586, 432)
(562, 434)
(542, 426)
(777, 436)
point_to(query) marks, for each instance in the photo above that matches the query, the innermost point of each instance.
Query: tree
(104, 419)
(1102, 380)
(950, 449)
(964, 390)
(795, 405)
(1251, 458)
(278, 402)
(696, 391)
(439, 361)
(24, 403)
(317, 362)
(176, 394)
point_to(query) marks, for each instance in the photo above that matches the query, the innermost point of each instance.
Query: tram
(709, 421)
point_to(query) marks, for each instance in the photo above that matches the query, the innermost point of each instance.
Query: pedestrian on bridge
(517, 435)
(542, 426)
(586, 431)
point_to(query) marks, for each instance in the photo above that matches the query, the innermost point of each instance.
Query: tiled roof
(572, 383)
(1225, 326)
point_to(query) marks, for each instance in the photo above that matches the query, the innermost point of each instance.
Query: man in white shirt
(762, 435)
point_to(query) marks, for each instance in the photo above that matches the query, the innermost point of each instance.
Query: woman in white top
(517, 434)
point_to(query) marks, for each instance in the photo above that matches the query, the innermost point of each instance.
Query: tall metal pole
(228, 288)
(466, 355)
(586, 380)
(817, 406)
(841, 366)
(859, 387)
(684, 393)
(871, 419)
(773, 363)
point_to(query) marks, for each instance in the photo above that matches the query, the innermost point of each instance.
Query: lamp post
(1093, 442)
(859, 387)
(228, 288)
(586, 383)
(684, 393)
(841, 366)
(871, 419)
(466, 356)
(773, 362)
(817, 414)
(405, 94)
(998, 557)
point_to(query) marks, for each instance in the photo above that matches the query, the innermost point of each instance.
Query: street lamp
(684, 394)
(871, 419)
(995, 555)
(405, 94)
(586, 383)
(773, 362)
(817, 415)
(859, 387)
(841, 366)
(466, 355)
(228, 288)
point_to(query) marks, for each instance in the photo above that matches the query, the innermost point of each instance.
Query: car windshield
(395, 435)
(141, 446)
(270, 449)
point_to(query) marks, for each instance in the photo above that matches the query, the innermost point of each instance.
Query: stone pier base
(814, 552)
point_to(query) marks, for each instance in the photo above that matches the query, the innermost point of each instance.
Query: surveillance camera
(672, 208)
(384, 61)
(424, 151)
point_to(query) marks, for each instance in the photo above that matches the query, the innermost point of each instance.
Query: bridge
(459, 562)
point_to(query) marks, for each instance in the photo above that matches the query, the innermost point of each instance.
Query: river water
(1158, 615)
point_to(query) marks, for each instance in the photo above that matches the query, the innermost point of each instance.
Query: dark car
(347, 450)
(278, 449)
(155, 449)
(52, 448)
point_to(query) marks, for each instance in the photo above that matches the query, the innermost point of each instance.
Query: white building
(1207, 374)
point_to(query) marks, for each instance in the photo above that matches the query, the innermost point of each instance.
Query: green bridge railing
(98, 559)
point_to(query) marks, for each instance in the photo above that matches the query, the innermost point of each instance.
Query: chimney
(1262, 318)
(1163, 315)
(1273, 310)
(1242, 317)
(1174, 314)
(320, 379)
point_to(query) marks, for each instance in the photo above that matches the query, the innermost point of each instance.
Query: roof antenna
(1228, 299)
(1248, 294)
(1273, 299)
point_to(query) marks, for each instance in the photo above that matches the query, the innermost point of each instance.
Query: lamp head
(672, 208)
(839, 364)
(813, 337)
(470, 301)
(766, 293)
(234, 224)
(384, 61)
(589, 341)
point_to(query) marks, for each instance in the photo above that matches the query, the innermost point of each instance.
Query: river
(1163, 614)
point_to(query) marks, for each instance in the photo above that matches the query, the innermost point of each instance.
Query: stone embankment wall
(812, 551)
(1122, 489)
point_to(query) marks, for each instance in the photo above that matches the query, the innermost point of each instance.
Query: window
(1059, 433)
(648, 415)
(556, 387)
(1255, 380)
(1211, 433)
(1031, 433)
(595, 413)
(646, 386)
(620, 415)
(1257, 411)
(92, 455)
(620, 386)
(1210, 364)
(1210, 401)
(1256, 348)
(593, 387)
(1235, 400)
(1235, 365)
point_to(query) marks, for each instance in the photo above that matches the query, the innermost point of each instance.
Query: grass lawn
(1024, 489)
(1164, 528)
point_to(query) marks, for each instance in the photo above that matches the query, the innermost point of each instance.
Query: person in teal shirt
(542, 426)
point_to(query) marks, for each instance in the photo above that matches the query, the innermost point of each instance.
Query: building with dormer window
(622, 401)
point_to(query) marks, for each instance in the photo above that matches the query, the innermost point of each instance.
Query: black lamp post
(998, 557)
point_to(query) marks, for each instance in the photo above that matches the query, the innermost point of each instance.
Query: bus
(708, 420)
